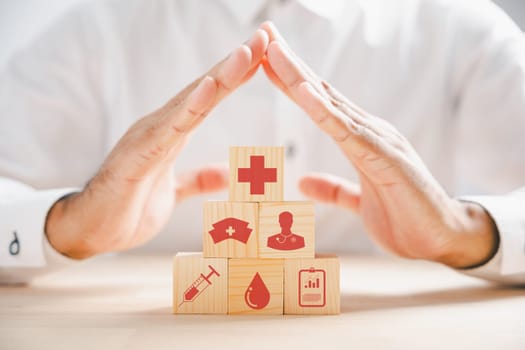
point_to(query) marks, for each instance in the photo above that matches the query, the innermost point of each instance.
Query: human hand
(401, 204)
(132, 196)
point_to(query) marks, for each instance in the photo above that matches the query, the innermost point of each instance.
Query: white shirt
(449, 75)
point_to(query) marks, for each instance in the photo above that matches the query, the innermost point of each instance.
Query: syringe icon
(198, 286)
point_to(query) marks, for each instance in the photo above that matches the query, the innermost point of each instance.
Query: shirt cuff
(22, 230)
(508, 264)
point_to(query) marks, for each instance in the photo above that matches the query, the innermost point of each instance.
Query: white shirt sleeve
(487, 87)
(487, 92)
(508, 212)
(51, 139)
(25, 251)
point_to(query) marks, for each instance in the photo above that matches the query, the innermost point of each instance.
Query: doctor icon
(286, 239)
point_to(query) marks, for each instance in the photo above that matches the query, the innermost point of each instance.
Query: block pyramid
(258, 250)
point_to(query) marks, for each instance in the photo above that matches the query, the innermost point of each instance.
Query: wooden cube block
(312, 285)
(255, 286)
(230, 229)
(256, 174)
(200, 285)
(286, 230)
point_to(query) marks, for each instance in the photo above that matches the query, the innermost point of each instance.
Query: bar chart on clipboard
(312, 287)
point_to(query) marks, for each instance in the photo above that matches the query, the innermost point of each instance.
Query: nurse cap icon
(286, 239)
(230, 228)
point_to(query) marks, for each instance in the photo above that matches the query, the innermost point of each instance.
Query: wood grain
(215, 211)
(123, 301)
(240, 158)
(323, 267)
(303, 225)
(241, 273)
(188, 267)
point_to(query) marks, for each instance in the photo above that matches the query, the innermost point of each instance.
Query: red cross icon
(257, 175)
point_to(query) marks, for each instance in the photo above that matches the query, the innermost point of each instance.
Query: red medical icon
(257, 295)
(257, 175)
(286, 239)
(198, 286)
(230, 228)
(312, 287)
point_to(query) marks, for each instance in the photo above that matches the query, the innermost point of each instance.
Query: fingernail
(203, 83)
(198, 96)
(267, 22)
(235, 66)
(251, 40)
(231, 57)
(271, 25)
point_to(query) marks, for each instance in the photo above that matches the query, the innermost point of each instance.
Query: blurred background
(20, 20)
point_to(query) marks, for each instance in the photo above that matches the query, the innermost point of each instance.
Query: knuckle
(295, 82)
(223, 86)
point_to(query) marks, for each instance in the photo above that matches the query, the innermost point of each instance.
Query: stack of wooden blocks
(259, 255)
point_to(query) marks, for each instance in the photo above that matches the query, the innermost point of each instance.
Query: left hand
(134, 192)
(403, 207)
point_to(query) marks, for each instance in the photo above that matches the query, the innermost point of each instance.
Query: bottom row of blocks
(255, 286)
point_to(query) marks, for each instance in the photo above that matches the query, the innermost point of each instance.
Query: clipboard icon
(312, 287)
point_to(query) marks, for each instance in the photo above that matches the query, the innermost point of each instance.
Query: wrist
(474, 239)
(62, 230)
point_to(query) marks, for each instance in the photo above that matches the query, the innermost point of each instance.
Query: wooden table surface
(124, 302)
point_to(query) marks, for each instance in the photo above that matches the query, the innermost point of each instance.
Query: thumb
(331, 189)
(207, 179)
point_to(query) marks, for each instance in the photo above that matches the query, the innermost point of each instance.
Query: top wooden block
(256, 174)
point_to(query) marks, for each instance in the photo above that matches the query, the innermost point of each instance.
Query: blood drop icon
(257, 295)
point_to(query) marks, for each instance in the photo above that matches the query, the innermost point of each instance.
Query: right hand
(402, 205)
(131, 197)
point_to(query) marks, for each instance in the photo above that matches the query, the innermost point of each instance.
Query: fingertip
(303, 184)
(265, 40)
(305, 190)
(213, 179)
(260, 35)
(264, 34)
(257, 44)
(270, 28)
(203, 94)
(266, 24)
(234, 68)
(245, 53)
(306, 178)
(306, 185)
(207, 83)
